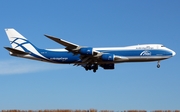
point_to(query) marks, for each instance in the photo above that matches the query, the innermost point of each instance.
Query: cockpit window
(162, 46)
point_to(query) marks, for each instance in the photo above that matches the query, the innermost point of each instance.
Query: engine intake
(86, 51)
(107, 57)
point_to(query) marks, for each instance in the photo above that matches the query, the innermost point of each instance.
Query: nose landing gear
(158, 65)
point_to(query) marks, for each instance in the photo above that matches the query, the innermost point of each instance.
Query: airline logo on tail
(20, 43)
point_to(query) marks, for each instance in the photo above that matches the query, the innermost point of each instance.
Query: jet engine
(86, 51)
(107, 57)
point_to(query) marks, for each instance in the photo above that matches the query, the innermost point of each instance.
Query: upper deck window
(144, 47)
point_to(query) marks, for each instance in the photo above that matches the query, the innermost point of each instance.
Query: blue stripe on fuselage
(135, 52)
(60, 56)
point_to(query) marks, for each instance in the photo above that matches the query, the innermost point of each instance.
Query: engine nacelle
(86, 51)
(107, 57)
(107, 66)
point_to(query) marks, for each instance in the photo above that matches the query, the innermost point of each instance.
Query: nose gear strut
(158, 65)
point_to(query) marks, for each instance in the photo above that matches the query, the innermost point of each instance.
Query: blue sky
(27, 84)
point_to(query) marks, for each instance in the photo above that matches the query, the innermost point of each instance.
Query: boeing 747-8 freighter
(88, 57)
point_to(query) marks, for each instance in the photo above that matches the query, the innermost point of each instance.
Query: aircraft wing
(63, 42)
(87, 54)
(71, 47)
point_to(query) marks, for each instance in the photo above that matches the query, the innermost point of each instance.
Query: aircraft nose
(173, 53)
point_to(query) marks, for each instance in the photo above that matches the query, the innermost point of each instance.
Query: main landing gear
(158, 65)
(93, 67)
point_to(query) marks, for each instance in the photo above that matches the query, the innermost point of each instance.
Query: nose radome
(173, 53)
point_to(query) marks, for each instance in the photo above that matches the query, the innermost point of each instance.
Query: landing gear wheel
(95, 67)
(86, 69)
(158, 66)
(94, 70)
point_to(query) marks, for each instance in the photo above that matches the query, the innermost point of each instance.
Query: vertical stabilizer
(20, 45)
(15, 38)
(18, 41)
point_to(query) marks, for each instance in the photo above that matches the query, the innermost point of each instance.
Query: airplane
(88, 57)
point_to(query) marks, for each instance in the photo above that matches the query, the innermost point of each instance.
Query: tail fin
(18, 41)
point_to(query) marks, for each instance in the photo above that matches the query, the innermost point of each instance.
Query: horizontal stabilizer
(15, 51)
